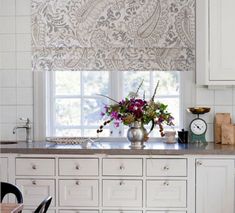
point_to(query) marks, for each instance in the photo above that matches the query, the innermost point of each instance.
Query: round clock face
(198, 126)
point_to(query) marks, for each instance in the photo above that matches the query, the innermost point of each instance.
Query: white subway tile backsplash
(222, 109)
(23, 61)
(6, 132)
(7, 7)
(7, 43)
(24, 96)
(224, 97)
(23, 42)
(7, 114)
(204, 96)
(23, 7)
(8, 96)
(24, 78)
(7, 60)
(23, 24)
(209, 117)
(210, 133)
(7, 78)
(7, 25)
(25, 112)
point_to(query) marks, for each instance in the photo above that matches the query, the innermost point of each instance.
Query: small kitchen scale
(198, 126)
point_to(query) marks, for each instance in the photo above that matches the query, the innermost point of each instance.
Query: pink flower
(115, 115)
(116, 124)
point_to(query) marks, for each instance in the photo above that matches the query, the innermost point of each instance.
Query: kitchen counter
(119, 148)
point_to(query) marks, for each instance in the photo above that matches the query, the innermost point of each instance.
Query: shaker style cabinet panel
(214, 186)
(215, 42)
(78, 211)
(35, 166)
(78, 193)
(122, 167)
(119, 193)
(167, 167)
(166, 193)
(36, 190)
(78, 166)
(3, 169)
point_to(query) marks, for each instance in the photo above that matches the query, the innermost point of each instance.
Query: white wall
(16, 81)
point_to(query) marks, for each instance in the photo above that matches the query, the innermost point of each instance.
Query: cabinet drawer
(125, 167)
(35, 191)
(32, 210)
(121, 211)
(167, 167)
(82, 167)
(78, 192)
(78, 211)
(122, 193)
(166, 193)
(35, 166)
(167, 211)
(3, 169)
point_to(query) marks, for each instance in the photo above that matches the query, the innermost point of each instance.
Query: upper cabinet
(215, 34)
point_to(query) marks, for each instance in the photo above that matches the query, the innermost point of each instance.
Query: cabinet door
(166, 193)
(78, 192)
(3, 169)
(214, 186)
(35, 191)
(122, 193)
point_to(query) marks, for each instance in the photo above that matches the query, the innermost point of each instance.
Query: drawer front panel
(167, 193)
(35, 166)
(3, 169)
(121, 211)
(78, 211)
(167, 167)
(82, 167)
(122, 193)
(167, 211)
(32, 210)
(125, 167)
(35, 191)
(78, 192)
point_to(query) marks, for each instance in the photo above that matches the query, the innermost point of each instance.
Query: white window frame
(42, 83)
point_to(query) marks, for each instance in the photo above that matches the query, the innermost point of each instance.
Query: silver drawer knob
(166, 183)
(77, 183)
(34, 167)
(166, 168)
(199, 163)
(77, 167)
(121, 183)
(122, 167)
(34, 182)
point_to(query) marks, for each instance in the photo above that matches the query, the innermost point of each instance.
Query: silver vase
(136, 134)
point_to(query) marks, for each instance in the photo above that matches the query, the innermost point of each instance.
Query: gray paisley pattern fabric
(113, 35)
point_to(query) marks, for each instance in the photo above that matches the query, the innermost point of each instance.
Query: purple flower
(102, 114)
(116, 124)
(115, 115)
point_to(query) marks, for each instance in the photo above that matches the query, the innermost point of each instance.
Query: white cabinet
(122, 167)
(166, 193)
(78, 166)
(3, 169)
(167, 167)
(36, 190)
(119, 193)
(35, 166)
(78, 193)
(214, 186)
(215, 42)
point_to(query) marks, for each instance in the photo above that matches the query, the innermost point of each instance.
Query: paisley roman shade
(113, 35)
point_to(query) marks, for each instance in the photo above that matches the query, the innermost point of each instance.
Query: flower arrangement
(133, 109)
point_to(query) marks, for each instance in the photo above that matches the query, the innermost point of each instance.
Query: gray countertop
(119, 148)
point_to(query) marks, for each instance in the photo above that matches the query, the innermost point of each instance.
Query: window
(74, 104)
